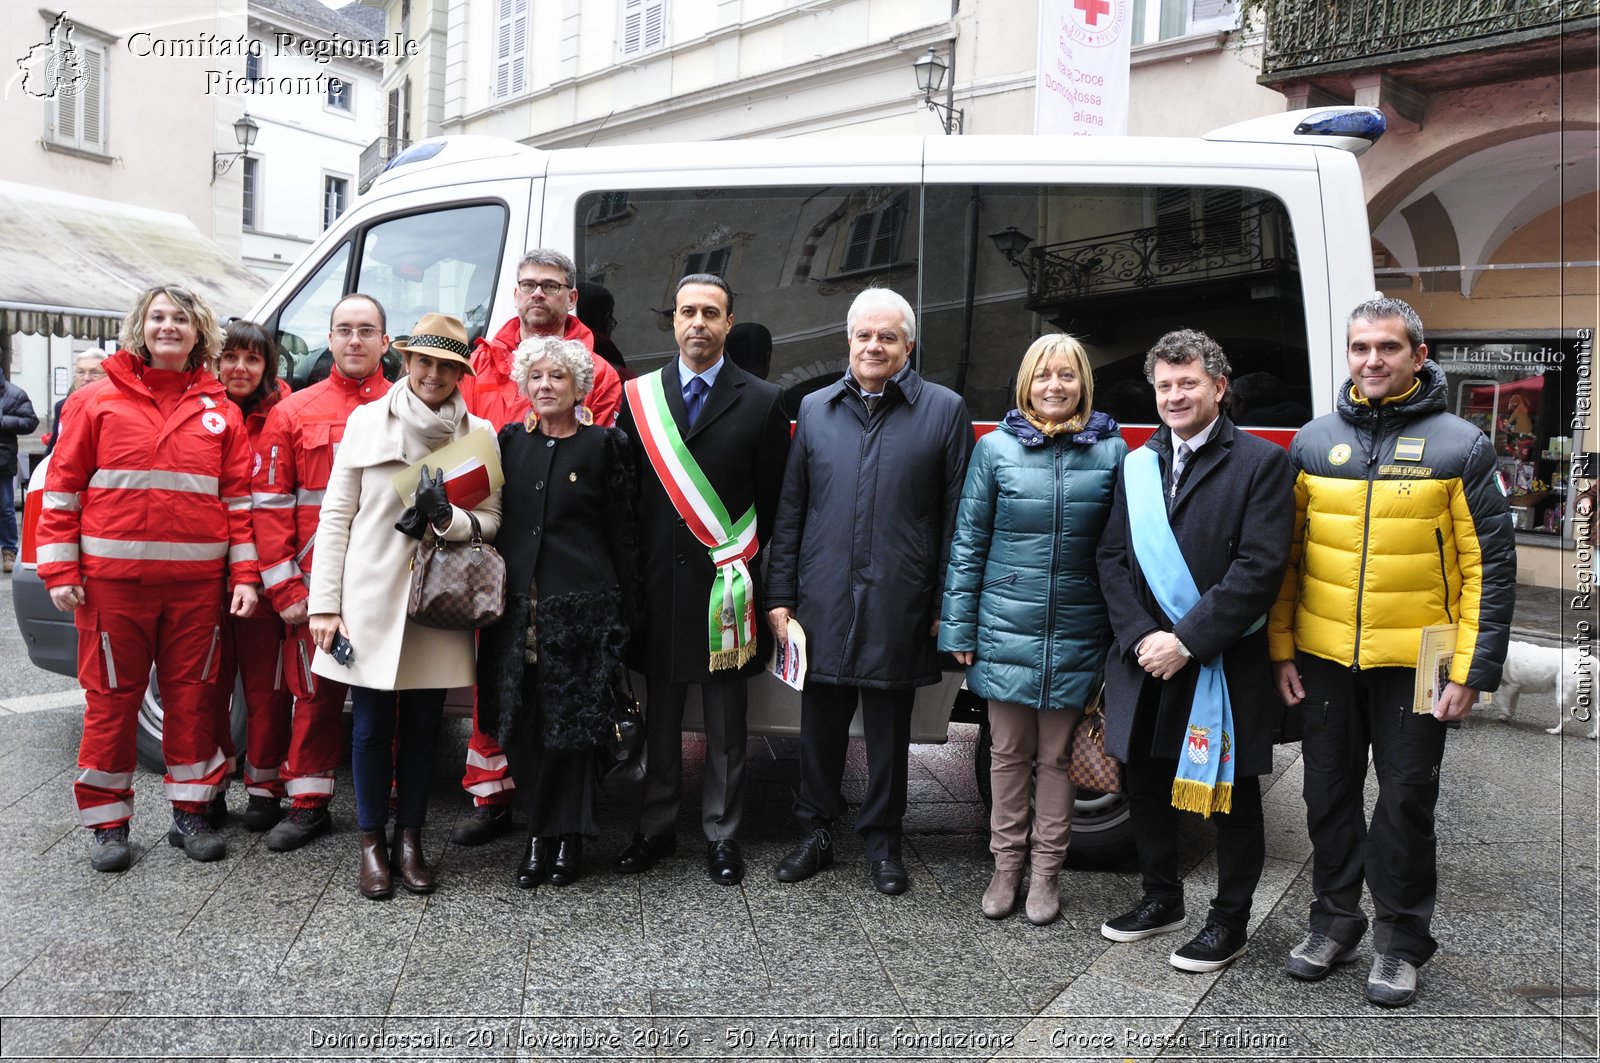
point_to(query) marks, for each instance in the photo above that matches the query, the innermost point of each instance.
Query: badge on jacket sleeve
(214, 422)
(1339, 454)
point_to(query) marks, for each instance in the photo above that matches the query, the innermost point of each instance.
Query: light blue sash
(1204, 782)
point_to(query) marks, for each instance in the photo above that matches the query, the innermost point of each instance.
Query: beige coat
(363, 570)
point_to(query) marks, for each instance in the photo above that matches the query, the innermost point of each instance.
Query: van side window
(794, 256)
(303, 324)
(1115, 266)
(443, 261)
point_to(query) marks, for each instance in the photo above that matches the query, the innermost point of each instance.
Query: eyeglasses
(366, 332)
(528, 287)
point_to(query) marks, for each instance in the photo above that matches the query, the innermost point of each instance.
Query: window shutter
(632, 25)
(655, 23)
(860, 240)
(394, 114)
(1210, 16)
(886, 241)
(92, 128)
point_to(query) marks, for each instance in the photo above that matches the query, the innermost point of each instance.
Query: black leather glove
(431, 501)
(412, 524)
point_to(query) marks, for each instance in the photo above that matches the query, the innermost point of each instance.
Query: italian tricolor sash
(731, 611)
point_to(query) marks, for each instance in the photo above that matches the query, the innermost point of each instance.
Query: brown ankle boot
(374, 882)
(406, 858)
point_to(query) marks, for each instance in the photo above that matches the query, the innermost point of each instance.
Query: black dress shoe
(642, 853)
(724, 862)
(806, 859)
(889, 876)
(567, 866)
(535, 867)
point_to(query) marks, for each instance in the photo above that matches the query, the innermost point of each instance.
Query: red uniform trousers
(123, 627)
(316, 733)
(252, 651)
(487, 777)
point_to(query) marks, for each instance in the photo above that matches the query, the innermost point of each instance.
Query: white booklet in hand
(789, 662)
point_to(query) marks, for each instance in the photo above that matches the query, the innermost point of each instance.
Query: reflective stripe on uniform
(153, 479)
(145, 550)
(478, 760)
(242, 502)
(106, 780)
(271, 500)
(50, 552)
(307, 497)
(66, 500)
(110, 813)
(309, 785)
(242, 552)
(198, 770)
(255, 774)
(282, 572)
(489, 789)
(191, 791)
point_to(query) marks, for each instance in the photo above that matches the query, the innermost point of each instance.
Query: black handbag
(623, 759)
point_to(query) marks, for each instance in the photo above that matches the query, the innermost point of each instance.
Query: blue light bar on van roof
(1367, 123)
(416, 153)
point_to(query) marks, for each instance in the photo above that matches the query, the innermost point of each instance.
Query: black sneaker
(1153, 916)
(111, 852)
(261, 813)
(1211, 950)
(191, 832)
(302, 824)
(483, 824)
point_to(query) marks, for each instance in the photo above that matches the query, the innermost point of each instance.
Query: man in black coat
(1228, 498)
(708, 412)
(16, 418)
(858, 559)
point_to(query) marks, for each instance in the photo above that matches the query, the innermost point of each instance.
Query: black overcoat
(864, 528)
(1233, 517)
(740, 441)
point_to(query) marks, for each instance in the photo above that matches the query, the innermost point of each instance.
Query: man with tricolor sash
(710, 442)
(1190, 562)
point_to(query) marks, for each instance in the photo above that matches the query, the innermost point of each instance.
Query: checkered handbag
(1090, 768)
(457, 586)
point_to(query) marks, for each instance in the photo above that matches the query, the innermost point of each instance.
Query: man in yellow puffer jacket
(1399, 525)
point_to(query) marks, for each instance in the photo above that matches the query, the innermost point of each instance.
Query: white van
(1256, 233)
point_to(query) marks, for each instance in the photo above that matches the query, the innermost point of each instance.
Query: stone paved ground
(269, 956)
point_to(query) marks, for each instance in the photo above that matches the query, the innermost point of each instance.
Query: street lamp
(1012, 242)
(930, 71)
(244, 131)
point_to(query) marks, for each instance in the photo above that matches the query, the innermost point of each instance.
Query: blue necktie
(695, 399)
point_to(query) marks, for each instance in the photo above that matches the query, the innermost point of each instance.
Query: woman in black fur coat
(550, 671)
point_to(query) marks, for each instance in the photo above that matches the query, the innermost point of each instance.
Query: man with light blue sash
(1191, 560)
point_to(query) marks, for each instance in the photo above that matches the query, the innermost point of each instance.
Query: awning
(74, 265)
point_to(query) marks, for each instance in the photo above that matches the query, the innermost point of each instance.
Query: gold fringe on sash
(738, 657)
(1190, 795)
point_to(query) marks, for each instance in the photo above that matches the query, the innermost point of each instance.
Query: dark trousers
(1241, 839)
(557, 787)
(825, 714)
(722, 793)
(1344, 713)
(376, 757)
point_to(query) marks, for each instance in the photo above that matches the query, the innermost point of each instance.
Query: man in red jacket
(292, 468)
(545, 297)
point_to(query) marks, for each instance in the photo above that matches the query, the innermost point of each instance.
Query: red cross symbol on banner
(1092, 10)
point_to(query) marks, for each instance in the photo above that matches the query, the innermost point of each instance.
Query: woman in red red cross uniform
(145, 538)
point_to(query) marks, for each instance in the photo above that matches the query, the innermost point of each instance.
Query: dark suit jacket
(1233, 517)
(741, 441)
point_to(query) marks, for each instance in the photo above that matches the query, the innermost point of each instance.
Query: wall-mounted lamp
(1012, 242)
(244, 130)
(930, 71)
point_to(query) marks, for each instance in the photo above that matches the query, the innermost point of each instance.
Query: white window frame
(250, 193)
(1165, 20)
(346, 94)
(77, 121)
(259, 59)
(347, 183)
(510, 48)
(643, 26)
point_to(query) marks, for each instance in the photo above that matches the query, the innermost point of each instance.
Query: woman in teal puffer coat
(1022, 605)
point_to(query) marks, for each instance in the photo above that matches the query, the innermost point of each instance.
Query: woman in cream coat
(400, 670)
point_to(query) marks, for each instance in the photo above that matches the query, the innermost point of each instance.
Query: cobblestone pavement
(267, 956)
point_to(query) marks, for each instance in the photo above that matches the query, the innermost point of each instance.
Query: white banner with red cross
(1082, 87)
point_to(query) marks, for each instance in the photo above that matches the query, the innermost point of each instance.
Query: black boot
(568, 862)
(535, 867)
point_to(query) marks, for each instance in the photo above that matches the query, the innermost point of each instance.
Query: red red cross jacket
(294, 459)
(132, 494)
(493, 395)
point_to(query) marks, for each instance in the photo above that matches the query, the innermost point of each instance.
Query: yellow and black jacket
(1399, 524)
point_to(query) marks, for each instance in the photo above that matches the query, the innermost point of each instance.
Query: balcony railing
(1312, 33)
(375, 156)
(1232, 246)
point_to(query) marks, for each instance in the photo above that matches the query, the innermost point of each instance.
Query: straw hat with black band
(439, 336)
